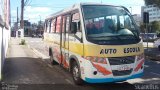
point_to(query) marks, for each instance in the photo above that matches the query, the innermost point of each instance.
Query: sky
(37, 10)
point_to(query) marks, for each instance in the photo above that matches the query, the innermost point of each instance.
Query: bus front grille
(122, 73)
(121, 60)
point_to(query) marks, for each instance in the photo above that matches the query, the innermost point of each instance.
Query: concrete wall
(4, 30)
(1, 53)
(0, 47)
(4, 42)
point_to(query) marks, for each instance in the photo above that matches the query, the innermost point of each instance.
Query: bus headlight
(96, 59)
(140, 64)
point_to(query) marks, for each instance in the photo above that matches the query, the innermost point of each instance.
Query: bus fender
(71, 59)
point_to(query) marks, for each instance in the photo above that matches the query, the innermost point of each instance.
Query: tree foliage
(155, 25)
(151, 2)
(142, 28)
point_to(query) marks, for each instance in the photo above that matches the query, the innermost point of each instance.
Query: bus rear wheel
(76, 74)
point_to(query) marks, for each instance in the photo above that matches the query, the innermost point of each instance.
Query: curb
(38, 54)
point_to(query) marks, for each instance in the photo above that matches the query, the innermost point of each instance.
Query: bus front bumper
(105, 80)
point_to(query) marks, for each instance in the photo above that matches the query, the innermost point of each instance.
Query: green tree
(151, 2)
(142, 27)
(155, 26)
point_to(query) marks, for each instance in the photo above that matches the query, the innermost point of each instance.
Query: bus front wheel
(76, 74)
(52, 61)
(159, 47)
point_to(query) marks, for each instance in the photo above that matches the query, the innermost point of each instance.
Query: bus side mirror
(73, 27)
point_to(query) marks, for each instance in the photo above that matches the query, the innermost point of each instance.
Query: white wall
(4, 42)
(4, 33)
(0, 50)
(6, 38)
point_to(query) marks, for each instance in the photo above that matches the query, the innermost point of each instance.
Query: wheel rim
(75, 73)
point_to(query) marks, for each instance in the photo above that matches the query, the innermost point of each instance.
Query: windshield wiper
(130, 36)
(112, 37)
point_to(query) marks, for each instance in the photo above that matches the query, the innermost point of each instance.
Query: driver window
(76, 26)
(76, 22)
(128, 23)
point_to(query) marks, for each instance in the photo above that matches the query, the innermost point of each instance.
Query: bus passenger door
(56, 46)
(65, 41)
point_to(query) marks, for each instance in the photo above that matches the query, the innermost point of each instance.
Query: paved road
(32, 73)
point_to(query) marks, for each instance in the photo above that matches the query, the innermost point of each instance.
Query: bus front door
(65, 41)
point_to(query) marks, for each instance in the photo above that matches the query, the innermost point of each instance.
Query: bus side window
(53, 25)
(67, 23)
(45, 25)
(48, 26)
(58, 24)
(63, 24)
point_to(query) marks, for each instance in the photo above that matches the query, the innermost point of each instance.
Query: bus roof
(73, 7)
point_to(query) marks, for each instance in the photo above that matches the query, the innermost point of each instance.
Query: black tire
(52, 61)
(159, 47)
(76, 74)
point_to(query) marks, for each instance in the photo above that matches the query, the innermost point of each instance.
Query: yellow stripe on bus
(106, 50)
(102, 50)
(113, 50)
(76, 48)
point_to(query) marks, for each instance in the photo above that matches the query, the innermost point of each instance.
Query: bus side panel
(65, 51)
(53, 42)
(56, 48)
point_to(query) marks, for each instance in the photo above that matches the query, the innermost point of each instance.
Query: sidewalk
(16, 50)
(153, 54)
(14, 66)
(22, 66)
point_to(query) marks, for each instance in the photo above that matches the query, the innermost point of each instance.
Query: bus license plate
(123, 67)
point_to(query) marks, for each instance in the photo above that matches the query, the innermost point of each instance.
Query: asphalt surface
(26, 71)
(153, 53)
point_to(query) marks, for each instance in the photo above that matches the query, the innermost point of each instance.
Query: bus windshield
(112, 25)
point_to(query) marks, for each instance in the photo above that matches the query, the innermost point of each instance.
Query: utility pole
(40, 19)
(22, 21)
(16, 32)
(17, 14)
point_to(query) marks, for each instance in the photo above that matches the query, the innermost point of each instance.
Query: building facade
(137, 18)
(27, 28)
(154, 12)
(4, 30)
